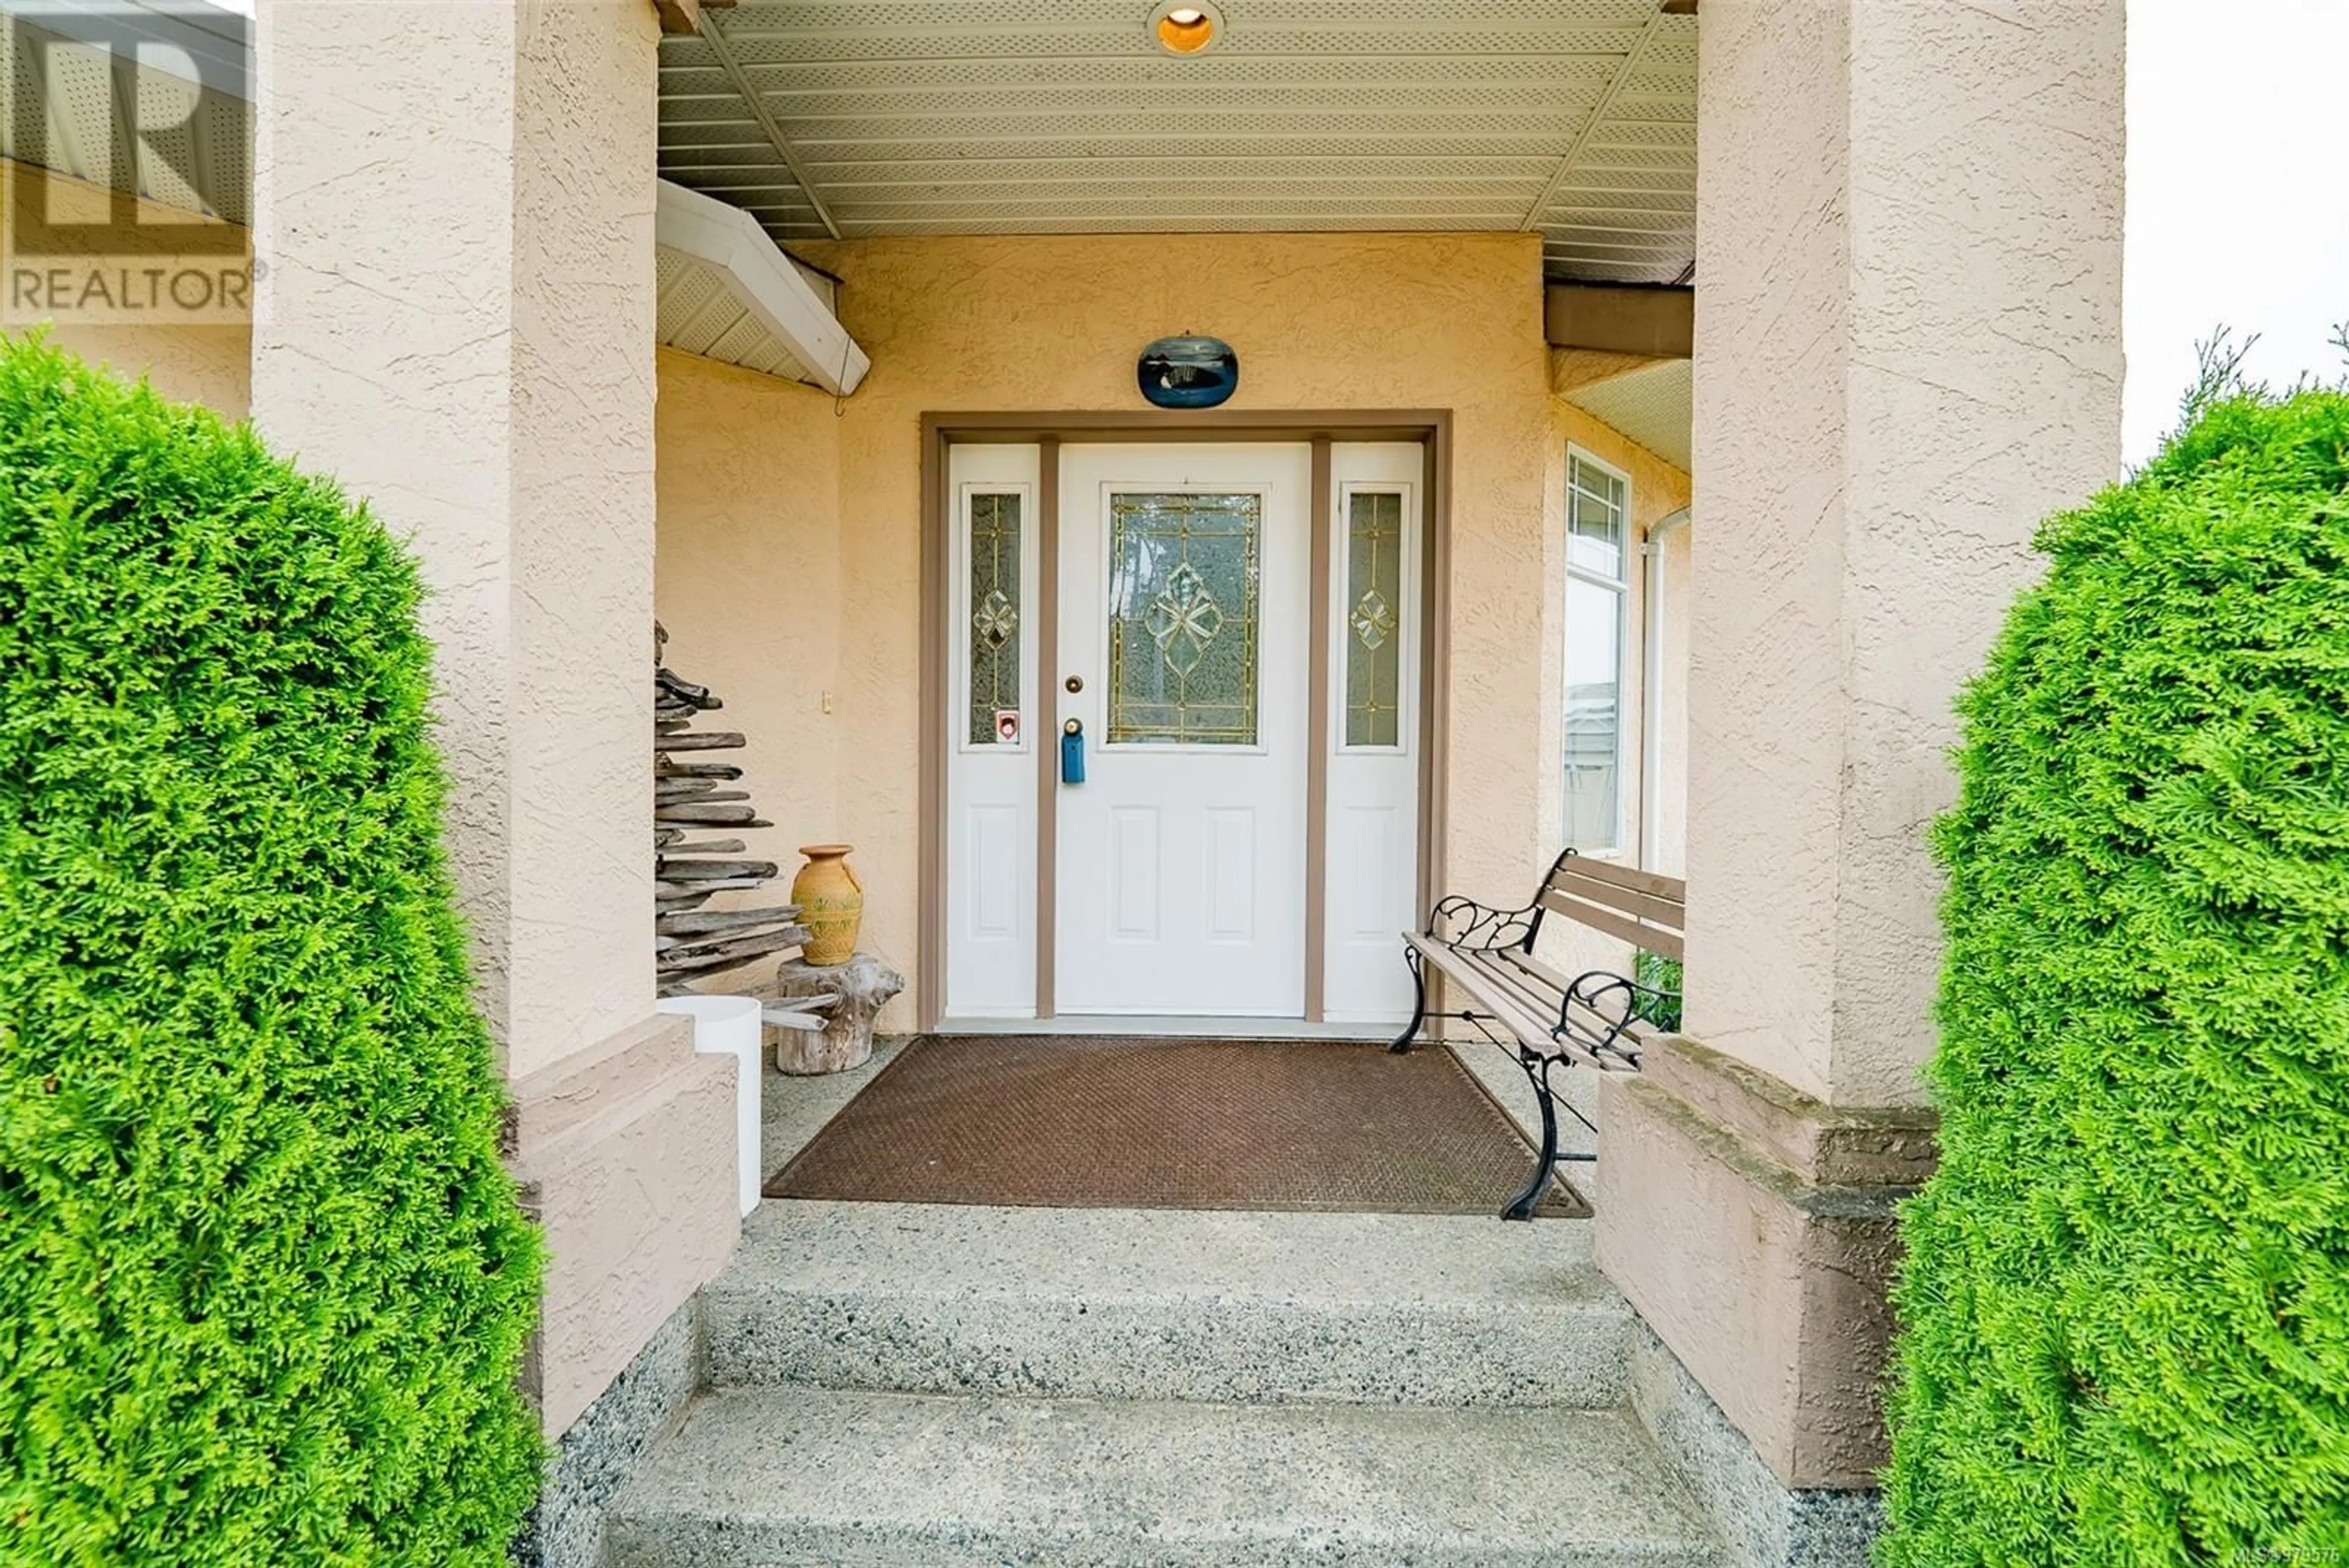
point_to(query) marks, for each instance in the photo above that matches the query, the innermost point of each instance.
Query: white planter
(731, 1024)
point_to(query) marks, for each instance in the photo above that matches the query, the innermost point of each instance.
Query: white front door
(1181, 856)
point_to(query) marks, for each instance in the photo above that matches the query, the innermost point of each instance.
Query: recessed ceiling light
(1186, 29)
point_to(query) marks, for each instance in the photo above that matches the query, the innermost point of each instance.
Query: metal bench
(1544, 1018)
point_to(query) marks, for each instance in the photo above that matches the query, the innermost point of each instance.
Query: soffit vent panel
(1575, 119)
(1652, 406)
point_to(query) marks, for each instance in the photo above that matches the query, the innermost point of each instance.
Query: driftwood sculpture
(694, 854)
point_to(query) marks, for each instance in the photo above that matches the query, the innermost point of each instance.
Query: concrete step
(759, 1478)
(1367, 1309)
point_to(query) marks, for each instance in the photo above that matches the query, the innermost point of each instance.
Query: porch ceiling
(1575, 118)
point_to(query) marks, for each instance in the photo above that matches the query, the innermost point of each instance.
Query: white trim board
(767, 305)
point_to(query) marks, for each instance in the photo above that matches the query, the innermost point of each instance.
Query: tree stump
(845, 1041)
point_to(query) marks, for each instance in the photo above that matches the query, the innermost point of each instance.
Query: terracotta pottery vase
(831, 901)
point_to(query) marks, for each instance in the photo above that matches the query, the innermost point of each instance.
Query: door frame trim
(1432, 427)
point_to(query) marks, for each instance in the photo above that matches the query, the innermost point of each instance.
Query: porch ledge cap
(1760, 1167)
(559, 1098)
(1823, 1145)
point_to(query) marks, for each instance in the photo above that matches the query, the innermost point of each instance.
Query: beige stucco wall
(1320, 321)
(493, 401)
(582, 481)
(759, 592)
(775, 597)
(456, 206)
(1908, 352)
(747, 583)
(198, 363)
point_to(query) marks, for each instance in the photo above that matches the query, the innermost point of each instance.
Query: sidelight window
(994, 625)
(1598, 509)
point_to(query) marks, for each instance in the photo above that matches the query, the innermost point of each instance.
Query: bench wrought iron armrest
(1613, 1005)
(1481, 928)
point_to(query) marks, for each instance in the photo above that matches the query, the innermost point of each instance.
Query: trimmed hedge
(264, 1287)
(1658, 972)
(2126, 1296)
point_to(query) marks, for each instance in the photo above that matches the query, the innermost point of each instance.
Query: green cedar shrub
(1658, 972)
(265, 1286)
(2125, 1295)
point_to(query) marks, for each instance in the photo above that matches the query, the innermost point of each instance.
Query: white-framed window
(1598, 596)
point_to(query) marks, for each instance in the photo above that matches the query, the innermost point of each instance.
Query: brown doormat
(1079, 1122)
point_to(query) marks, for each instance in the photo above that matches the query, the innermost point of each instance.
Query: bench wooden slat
(1532, 1018)
(1507, 969)
(1526, 1015)
(1655, 939)
(1574, 904)
(1669, 912)
(1663, 887)
(1480, 980)
(1546, 1021)
(1539, 971)
(1598, 1023)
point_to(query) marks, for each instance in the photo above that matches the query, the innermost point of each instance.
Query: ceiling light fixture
(1186, 29)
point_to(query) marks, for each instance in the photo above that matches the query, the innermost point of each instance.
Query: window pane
(1374, 621)
(1182, 619)
(1594, 713)
(994, 612)
(1595, 504)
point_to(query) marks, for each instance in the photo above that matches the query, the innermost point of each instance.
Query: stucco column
(1908, 352)
(453, 317)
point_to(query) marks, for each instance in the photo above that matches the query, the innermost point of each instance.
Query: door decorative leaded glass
(994, 612)
(1374, 619)
(1183, 619)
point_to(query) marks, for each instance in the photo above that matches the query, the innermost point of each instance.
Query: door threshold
(1172, 1027)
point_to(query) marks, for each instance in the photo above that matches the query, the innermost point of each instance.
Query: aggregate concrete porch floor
(794, 1109)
